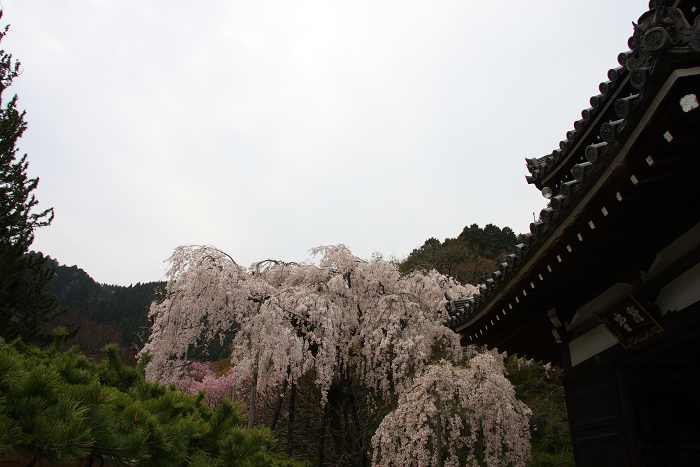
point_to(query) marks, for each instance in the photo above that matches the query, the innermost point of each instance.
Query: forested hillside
(469, 258)
(105, 313)
(113, 313)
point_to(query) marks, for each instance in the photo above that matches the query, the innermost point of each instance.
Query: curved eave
(513, 316)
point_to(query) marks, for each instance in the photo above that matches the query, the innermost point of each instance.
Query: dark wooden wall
(640, 407)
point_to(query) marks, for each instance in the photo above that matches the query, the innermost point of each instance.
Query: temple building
(607, 282)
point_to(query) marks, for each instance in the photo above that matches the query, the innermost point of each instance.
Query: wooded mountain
(470, 258)
(113, 313)
(106, 313)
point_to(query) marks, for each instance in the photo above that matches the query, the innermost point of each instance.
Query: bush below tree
(60, 407)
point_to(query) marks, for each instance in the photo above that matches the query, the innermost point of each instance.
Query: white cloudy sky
(266, 128)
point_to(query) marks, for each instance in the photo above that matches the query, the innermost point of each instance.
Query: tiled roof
(662, 35)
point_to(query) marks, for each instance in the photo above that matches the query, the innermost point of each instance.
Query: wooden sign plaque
(629, 321)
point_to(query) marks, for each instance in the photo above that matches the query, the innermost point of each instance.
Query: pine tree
(23, 303)
(59, 408)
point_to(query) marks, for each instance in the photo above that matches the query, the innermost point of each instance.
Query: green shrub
(61, 407)
(541, 388)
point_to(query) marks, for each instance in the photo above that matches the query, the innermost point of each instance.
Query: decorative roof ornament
(658, 29)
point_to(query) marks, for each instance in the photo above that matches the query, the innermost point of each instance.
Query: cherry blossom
(289, 318)
(341, 316)
(452, 416)
(202, 378)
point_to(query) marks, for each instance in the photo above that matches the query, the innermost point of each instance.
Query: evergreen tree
(23, 303)
(59, 408)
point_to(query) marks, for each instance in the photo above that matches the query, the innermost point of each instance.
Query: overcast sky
(266, 128)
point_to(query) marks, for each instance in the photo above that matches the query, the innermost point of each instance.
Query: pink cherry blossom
(343, 316)
(344, 312)
(447, 412)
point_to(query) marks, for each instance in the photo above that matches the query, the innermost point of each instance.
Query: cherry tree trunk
(290, 426)
(322, 437)
(253, 393)
(280, 399)
(358, 429)
(438, 431)
(348, 434)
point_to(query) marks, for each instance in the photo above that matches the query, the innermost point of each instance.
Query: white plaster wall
(590, 344)
(682, 292)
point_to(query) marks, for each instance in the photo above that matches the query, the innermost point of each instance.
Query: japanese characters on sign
(627, 320)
